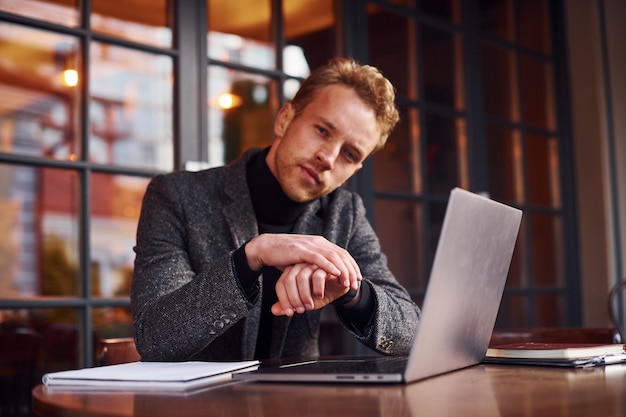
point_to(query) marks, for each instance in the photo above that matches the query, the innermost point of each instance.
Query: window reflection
(505, 164)
(542, 171)
(310, 35)
(39, 249)
(115, 211)
(61, 12)
(241, 113)
(131, 111)
(537, 98)
(246, 38)
(112, 322)
(402, 241)
(500, 87)
(444, 9)
(533, 23)
(136, 20)
(443, 64)
(443, 154)
(547, 231)
(239, 31)
(39, 108)
(48, 340)
(392, 51)
(400, 160)
(496, 18)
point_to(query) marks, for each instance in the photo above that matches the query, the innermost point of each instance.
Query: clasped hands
(315, 271)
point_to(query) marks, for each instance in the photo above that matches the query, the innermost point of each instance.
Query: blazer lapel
(239, 214)
(237, 205)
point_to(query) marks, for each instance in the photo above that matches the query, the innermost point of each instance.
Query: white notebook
(169, 376)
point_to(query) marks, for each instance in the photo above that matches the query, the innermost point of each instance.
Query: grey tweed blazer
(185, 299)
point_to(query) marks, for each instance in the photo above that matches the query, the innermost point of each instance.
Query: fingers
(282, 250)
(293, 288)
(303, 287)
(309, 265)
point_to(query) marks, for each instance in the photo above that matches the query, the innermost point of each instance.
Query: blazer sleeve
(396, 316)
(184, 294)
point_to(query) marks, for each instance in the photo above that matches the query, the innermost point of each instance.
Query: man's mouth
(311, 174)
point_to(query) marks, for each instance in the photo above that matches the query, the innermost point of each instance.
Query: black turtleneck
(271, 205)
(277, 213)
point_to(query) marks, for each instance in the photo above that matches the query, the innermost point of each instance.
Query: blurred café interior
(523, 100)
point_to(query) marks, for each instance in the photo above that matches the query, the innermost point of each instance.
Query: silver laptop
(459, 310)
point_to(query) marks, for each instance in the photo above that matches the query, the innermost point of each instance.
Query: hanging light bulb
(70, 77)
(228, 101)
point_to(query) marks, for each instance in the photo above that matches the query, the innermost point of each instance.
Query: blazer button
(385, 344)
(219, 324)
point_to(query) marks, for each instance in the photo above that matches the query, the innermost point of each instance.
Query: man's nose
(327, 155)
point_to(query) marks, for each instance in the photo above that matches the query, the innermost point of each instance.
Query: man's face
(326, 144)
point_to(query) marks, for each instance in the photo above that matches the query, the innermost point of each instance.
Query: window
(256, 62)
(495, 133)
(87, 117)
(96, 101)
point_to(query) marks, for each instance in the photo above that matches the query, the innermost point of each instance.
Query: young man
(237, 262)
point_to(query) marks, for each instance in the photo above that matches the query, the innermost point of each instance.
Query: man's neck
(271, 204)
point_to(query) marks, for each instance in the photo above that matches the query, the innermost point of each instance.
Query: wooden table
(482, 390)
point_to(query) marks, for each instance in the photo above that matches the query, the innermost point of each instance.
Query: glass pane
(398, 166)
(112, 322)
(290, 88)
(48, 338)
(505, 164)
(310, 35)
(436, 213)
(499, 80)
(533, 22)
(115, 207)
(442, 155)
(496, 18)
(513, 312)
(518, 273)
(405, 3)
(537, 93)
(240, 32)
(542, 171)
(393, 50)
(40, 100)
(549, 310)
(135, 20)
(399, 228)
(241, 113)
(443, 67)
(131, 111)
(39, 232)
(443, 9)
(62, 12)
(547, 249)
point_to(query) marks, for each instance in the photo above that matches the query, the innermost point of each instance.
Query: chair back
(616, 309)
(116, 351)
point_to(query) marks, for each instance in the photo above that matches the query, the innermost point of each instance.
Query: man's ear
(283, 119)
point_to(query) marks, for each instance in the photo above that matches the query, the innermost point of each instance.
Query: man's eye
(351, 156)
(323, 131)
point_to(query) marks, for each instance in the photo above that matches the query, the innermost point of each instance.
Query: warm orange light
(228, 101)
(70, 77)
